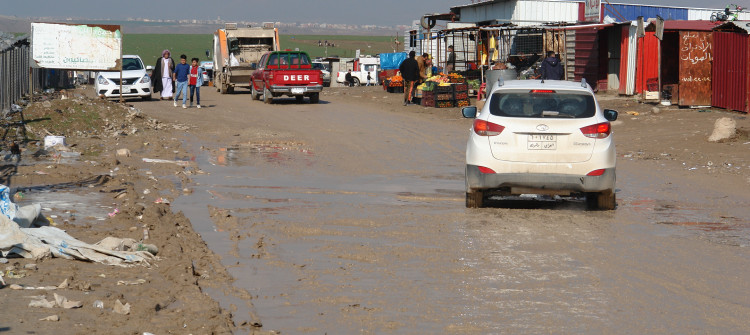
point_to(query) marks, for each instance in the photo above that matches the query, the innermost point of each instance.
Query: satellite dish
(427, 22)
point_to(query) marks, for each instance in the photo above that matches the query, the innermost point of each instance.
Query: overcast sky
(378, 12)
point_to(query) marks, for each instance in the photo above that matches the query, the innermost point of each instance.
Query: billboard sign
(76, 47)
(592, 11)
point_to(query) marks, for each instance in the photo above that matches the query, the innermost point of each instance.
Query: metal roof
(482, 3)
(697, 25)
(744, 25)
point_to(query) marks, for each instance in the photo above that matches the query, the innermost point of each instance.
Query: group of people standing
(167, 75)
(414, 70)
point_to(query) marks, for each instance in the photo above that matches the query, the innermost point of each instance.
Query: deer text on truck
(237, 50)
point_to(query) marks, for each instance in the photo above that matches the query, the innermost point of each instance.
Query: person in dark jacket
(161, 76)
(410, 72)
(551, 67)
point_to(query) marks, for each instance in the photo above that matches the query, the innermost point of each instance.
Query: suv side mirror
(610, 114)
(470, 112)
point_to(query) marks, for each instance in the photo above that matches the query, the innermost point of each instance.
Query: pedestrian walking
(180, 76)
(196, 81)
(369, 77)
(410, 72)
(161, 76)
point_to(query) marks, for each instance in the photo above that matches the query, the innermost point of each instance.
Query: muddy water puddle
(341, 253)
(306, 244)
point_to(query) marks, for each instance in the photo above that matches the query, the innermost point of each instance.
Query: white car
(545, 137)
(135, 80)
(326, 74)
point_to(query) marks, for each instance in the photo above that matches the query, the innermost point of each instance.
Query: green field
(150, 46)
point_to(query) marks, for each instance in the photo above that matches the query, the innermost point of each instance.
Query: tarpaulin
(391, 61)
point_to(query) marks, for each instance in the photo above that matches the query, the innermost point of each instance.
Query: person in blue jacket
(180, 76)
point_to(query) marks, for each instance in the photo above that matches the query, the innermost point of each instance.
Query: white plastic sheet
(43, 242)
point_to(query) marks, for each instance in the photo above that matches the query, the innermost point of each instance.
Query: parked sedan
(135, 80)
(541, 137)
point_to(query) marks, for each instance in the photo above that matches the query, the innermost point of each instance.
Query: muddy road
(348, 216)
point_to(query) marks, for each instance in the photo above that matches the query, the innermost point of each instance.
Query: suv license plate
(298, 90)
(125, 89)
(542, 142)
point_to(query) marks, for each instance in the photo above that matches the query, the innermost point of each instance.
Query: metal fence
(15, 72)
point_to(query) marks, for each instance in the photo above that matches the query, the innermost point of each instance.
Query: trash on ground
(126, 244)
(131, 282)
(54, 317)
(44, 242)
(23, 216)
(51, 141)
(154, 160)
(122, 309)
(161, 201)
(65, 303)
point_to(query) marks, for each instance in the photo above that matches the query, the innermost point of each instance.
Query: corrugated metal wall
(632, 57)
(522, 12)
(730, 68)
(632, 12)
(587, 56)
(648, 60)
(624, 43)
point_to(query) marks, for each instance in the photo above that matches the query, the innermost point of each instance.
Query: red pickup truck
(286, 73)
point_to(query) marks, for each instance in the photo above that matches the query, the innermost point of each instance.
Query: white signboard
(76, 47)
(592, 11)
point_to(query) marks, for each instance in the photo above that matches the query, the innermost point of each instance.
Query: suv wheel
(606, 200)
(474, 199)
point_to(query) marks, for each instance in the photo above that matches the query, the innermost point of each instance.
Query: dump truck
(237, 51)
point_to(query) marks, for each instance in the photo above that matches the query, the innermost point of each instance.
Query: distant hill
(23, 25)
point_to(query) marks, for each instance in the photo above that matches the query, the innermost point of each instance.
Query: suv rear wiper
(555, 114)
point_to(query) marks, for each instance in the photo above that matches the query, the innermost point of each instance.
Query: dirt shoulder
(124, 197)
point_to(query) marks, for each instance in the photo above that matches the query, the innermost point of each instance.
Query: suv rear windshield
(542, 104)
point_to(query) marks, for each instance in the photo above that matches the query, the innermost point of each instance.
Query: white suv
(545, 137)
(135, 80)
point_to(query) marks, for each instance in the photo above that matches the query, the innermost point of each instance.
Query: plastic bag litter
(24, 216)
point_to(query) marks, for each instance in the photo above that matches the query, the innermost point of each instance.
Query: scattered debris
(154, 160)
(51, 318)
(122, 309)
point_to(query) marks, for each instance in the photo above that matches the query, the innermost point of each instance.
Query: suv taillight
(599, 130)
(485, 128)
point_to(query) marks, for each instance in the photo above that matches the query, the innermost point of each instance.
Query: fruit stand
(444, 91)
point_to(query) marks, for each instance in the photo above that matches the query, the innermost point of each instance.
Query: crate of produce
(463, 103)
(428, 99)
(461, 95)
(462, 87)
(457, 80)
(444, 96)
(445, 104)
(443, 89)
